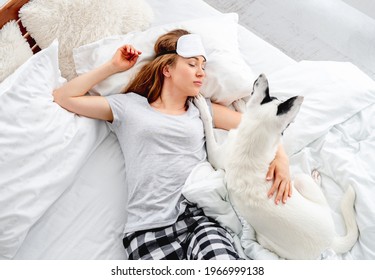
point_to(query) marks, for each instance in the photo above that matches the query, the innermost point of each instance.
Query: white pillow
(41, 146)
(14, 49)
(75, 23)
(228, 77)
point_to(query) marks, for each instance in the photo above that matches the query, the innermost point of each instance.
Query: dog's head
(269, 110)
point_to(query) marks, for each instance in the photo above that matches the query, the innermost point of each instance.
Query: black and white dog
(303, 227)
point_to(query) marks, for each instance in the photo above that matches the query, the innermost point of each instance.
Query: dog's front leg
(213, 152)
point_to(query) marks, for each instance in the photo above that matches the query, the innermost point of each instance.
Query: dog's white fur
(303, 227)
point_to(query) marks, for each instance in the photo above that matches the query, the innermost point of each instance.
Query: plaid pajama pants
(194, 237)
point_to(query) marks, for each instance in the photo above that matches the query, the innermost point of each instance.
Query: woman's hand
(125, 58)
(279, 173)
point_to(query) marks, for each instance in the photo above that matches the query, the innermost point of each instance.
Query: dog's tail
(342, 244)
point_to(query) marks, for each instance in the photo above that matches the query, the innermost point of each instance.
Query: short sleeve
(117, 104)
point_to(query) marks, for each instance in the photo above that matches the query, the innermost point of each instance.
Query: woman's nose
(201, 73)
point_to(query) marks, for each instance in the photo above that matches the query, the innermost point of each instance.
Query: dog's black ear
(285, 106)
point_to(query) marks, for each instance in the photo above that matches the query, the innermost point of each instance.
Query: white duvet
(333, 133)
(42, 147)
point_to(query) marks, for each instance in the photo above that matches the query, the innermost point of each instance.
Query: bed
(61, 175)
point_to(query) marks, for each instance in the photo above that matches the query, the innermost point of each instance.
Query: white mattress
(87, 220)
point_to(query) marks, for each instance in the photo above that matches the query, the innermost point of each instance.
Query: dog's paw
(201, 104)
(200, 101)
(315, 174)
(240, 105)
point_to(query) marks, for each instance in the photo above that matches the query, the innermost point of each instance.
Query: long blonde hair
(149, 80)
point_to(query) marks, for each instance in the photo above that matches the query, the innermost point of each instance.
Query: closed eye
(194, 65)
(196, 62)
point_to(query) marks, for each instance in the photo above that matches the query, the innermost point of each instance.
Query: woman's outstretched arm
(71, 95)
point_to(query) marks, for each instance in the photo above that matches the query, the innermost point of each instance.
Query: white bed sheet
(87, 220)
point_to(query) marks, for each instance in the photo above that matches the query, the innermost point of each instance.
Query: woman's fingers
(283, 189)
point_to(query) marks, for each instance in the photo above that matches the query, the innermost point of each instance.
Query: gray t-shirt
(160, 151)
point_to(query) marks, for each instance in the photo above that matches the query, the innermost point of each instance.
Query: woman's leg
(193, 236)
(162, 243)
(209, 241)
(153, 245)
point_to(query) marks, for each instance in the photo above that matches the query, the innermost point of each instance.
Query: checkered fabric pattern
(194, 237)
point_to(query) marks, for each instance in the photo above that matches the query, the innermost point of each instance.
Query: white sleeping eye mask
(189, 45)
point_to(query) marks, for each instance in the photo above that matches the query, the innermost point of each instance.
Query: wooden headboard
(10, 12)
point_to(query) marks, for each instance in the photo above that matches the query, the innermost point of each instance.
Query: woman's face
(188, 75)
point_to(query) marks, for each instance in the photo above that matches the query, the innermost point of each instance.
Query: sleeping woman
(162, 139)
